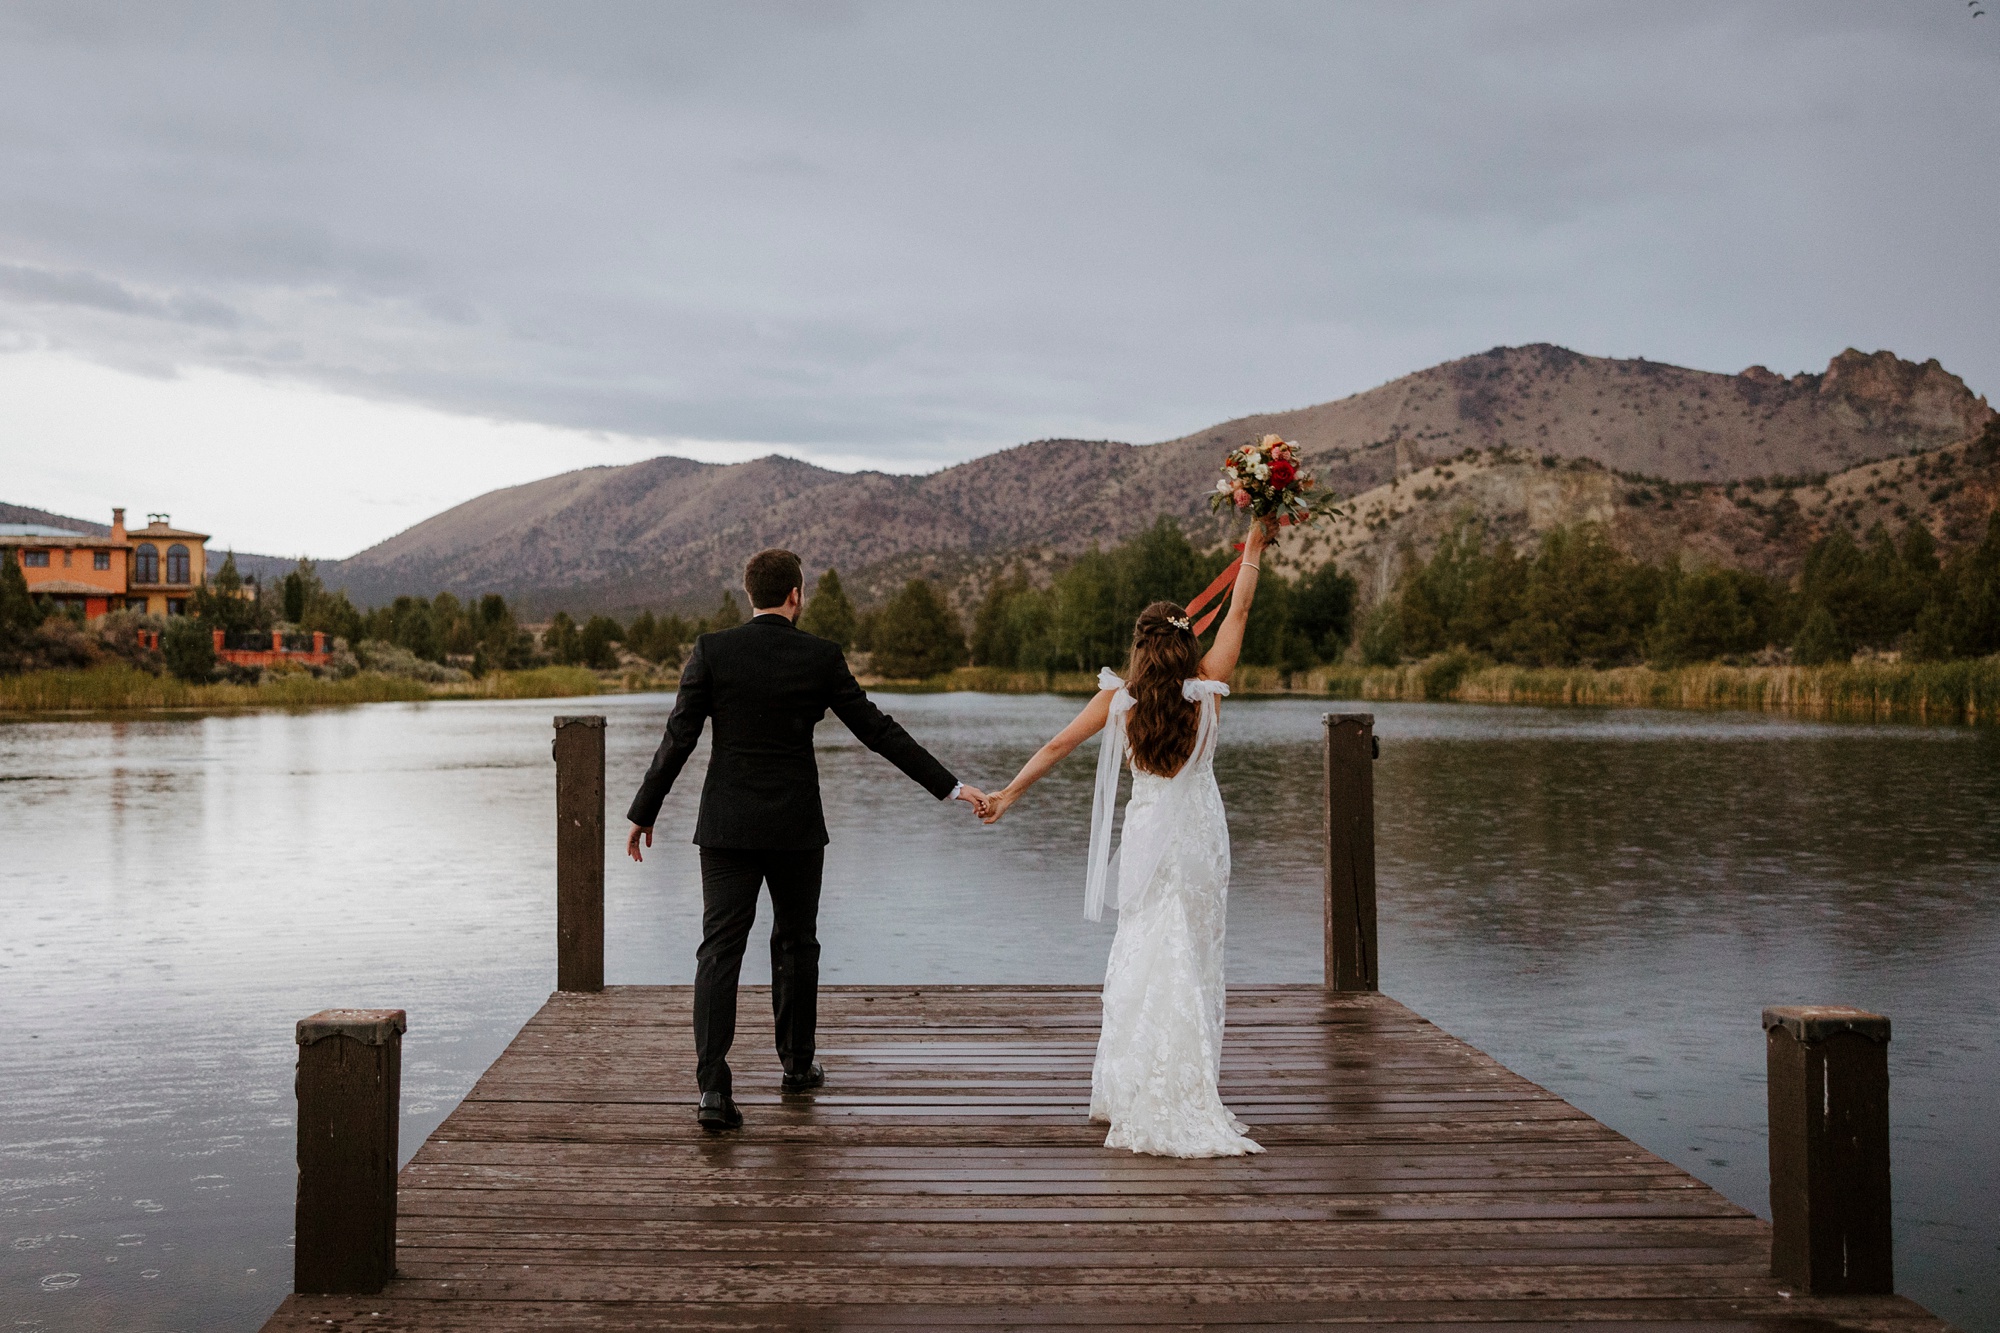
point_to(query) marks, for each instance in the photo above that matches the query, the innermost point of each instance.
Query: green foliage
(1711, 613)
(829, 614)
(598, 643)
(1322, 611)
(293, 592)
(19, 615)
(659, 640)
(225, 604)
(1084, 620)
(1014, 625)
(1381, 640)
(188, 646)
(317, 609)
(1095, 601)
(1819, 640)
(727, 615)
(1961, 618)
(918, 634)
(562, 641)
(1576, 600)
(413, 624)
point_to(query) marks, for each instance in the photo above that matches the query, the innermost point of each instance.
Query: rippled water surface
(1603, 900)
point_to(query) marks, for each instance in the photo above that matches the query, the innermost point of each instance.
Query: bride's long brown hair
(1161, 726)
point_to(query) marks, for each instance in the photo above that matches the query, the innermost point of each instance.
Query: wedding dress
(1159, 1055)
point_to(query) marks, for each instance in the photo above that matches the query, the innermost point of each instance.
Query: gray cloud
(919, 231)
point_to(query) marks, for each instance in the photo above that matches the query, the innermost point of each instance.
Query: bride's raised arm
(1087, 724)
(1219, 663)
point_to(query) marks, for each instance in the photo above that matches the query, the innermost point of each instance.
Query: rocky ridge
(1524, 435)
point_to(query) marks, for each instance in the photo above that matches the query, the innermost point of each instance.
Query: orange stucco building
(154, 569)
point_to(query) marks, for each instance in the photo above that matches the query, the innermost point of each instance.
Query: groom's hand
(973, 797)
(632, 841)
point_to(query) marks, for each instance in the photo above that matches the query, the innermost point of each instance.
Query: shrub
(188, 647)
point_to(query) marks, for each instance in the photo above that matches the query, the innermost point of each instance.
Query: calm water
(1603, 900)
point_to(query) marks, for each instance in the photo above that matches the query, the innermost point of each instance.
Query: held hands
(988, 806)
(996, 805)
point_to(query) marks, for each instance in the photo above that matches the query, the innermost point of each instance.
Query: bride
(1159, 1055)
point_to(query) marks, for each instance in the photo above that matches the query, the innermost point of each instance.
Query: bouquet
(1264, 480)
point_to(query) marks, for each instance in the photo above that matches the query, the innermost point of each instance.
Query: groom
(766, 683)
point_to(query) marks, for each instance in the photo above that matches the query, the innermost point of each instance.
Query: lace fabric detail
(1159, 1055)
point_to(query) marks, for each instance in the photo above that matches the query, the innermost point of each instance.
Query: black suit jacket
(766, 684)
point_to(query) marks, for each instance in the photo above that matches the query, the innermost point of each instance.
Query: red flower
(1283, 473)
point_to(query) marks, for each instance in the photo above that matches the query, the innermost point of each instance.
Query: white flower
(1263, 471)
(1222, 486)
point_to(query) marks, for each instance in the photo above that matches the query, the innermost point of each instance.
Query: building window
(34, 559)
(177, 563)
(146, 564)
(177, 606)
(66, 555)
(100, 559)
(136, 604)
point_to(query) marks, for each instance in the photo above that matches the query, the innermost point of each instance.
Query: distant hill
(24, 514)
(671, 533)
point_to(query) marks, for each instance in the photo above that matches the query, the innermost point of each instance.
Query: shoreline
(115, 691)
(1965, 691)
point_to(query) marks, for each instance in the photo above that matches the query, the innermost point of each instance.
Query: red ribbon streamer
(1222, 584)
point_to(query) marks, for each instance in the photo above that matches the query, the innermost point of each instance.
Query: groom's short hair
(770, 577)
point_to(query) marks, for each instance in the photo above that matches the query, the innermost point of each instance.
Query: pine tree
(918, 634)
(829, 614)
(561, 640)
(597, 643)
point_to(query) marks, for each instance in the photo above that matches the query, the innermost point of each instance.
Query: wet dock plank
(947, 1178)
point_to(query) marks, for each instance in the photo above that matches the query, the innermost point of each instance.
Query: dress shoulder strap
(1194, 691)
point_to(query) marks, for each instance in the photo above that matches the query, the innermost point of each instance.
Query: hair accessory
(1178, 622)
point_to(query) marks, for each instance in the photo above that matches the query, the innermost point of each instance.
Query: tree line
(1576, 600)
(1573, 600)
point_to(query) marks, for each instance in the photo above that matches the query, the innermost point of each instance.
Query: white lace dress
(1159, 1056)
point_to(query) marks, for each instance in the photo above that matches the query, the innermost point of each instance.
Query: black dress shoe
(718, 1112)
(812, 1077)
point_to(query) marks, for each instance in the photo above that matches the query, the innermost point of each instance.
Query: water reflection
(1601, 899)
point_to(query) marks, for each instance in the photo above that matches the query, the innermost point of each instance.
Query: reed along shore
(119, 689)
(1959, 691)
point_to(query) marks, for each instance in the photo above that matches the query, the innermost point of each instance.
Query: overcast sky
(304, 274)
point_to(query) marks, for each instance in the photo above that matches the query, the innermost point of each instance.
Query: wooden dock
(947, 1178)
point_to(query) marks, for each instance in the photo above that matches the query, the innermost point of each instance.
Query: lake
(1602, 900)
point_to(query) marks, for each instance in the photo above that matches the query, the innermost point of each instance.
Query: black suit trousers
(730, 879)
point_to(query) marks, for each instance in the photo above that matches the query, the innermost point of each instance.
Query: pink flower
(1242, 499)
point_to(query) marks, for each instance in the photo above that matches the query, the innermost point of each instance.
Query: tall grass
(118, 688)
(1963, 691)
(556, 682)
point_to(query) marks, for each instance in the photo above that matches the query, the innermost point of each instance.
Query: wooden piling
(579, 753)
(1828, 1069)
(1350, 853)
(349, 1085)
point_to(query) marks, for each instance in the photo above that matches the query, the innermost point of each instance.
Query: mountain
(26, 514)
(673, 533)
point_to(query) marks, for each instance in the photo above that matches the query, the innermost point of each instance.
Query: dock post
(579, 751)
(349, 1085)
(1828, 1071)
(1350, 853)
